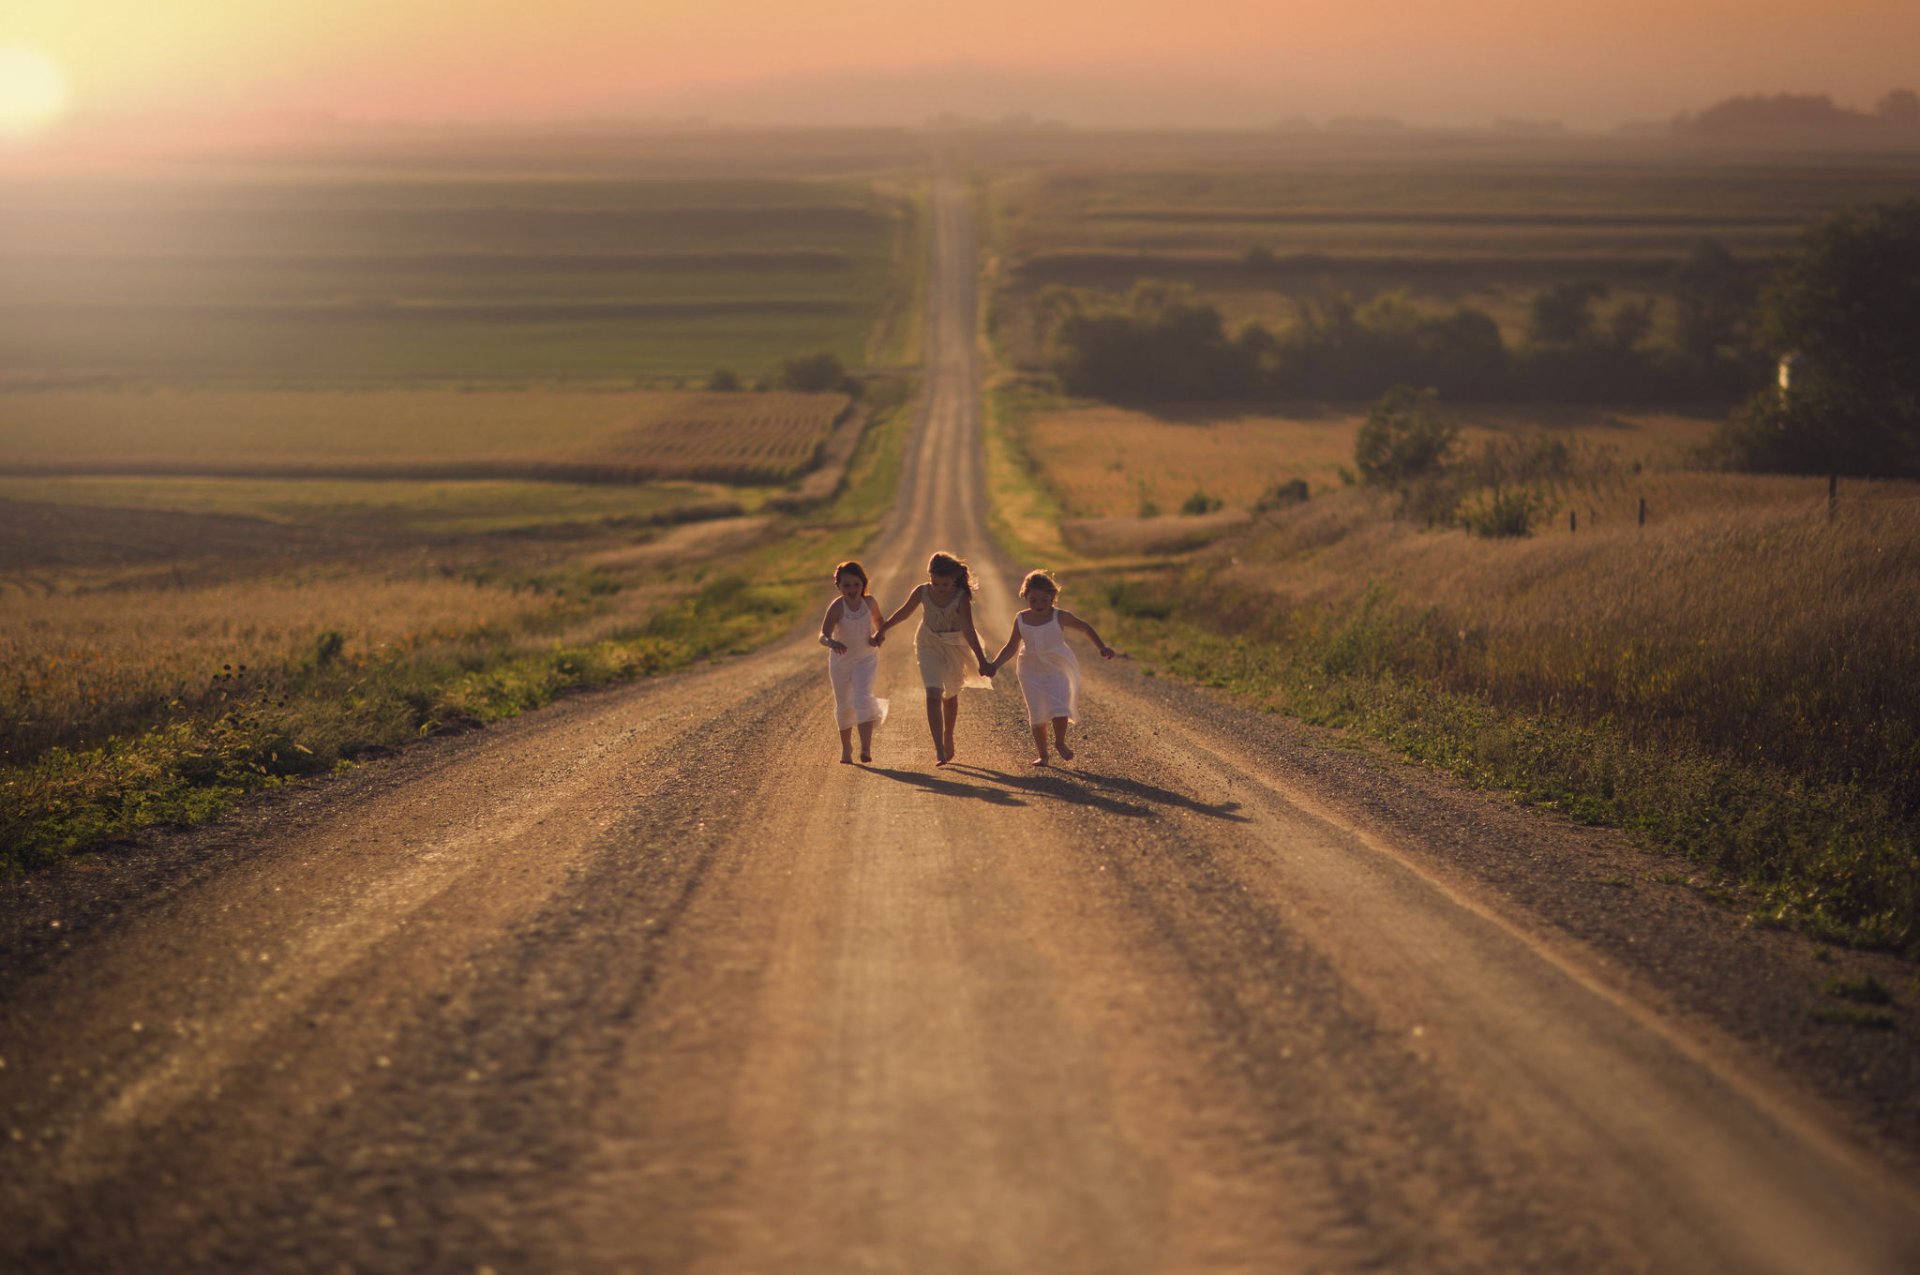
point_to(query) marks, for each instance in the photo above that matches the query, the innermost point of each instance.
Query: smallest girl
(854, 659)
(1049, 673)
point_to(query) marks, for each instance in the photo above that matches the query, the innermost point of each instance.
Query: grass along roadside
(259, 726)
(1838, 858)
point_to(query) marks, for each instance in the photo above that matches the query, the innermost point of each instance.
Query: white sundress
(1049, 671)
(947, 663)
(852, 671)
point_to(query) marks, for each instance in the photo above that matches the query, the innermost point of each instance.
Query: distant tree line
(1898, 110)
(1163, 343)
(1825, 351)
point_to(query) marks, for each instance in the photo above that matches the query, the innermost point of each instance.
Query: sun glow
(33, 90)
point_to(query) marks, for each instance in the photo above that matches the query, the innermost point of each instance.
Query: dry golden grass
(80, 659)
(1739, 615)
(1109, 462)
(554, 433)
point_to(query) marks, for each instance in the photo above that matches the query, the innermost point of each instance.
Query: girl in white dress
(854, 660)
(945, 636)
(1049, 673)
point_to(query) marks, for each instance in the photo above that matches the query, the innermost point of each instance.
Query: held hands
(1106, 652)
(988, 668)
(877, 638)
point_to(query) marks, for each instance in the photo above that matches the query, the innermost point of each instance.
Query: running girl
(945, 636)
(854, 660)
(1049, 673)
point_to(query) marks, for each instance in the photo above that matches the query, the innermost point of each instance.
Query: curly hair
(945, 564)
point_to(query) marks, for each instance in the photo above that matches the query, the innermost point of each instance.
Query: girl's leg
(866, 740)
(1039, 746)
(846, 744)
(934, 725)
(950, 709)
(1060, 739)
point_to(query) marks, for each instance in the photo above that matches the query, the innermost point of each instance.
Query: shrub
(1406, 436)
(1505, 511)
(1199, 503)
(1293, 491)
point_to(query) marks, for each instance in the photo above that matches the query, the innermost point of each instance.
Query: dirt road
(649, 982)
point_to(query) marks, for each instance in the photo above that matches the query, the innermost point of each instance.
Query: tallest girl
(941, 645)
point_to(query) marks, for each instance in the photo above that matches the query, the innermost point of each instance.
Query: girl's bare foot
(1066, 754)
(1038, 761)
(866, 758)
(846, 759)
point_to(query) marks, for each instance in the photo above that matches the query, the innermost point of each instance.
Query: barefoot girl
(1049, 673)
(945, 636)
(851, 666)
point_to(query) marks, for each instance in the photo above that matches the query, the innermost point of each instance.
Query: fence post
(1573, 520)
(1833, 496)
(1643, 511)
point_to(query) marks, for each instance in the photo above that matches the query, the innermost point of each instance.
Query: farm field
(336, 274)
(1111, 462)
(304, 455)
(579, 434)
(1485, 226)
(1734, 677)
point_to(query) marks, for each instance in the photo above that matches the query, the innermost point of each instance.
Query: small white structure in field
(1789, 364)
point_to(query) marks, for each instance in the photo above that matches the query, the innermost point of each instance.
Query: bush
(1199, 503)
(1294, 491)
(815, 374)
(1406, 436)
(1505, 511)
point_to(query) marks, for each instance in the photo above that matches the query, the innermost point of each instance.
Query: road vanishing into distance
(648, 982)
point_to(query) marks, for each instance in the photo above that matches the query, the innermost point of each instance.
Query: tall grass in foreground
(1738, 681)
(265, 726)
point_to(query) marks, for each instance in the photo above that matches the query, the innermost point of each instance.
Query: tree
(1847, 304)
(1712, 297)
(1563, 314)
(814, 373)
(1901, 107)
(1406, 436)
(1629, 325)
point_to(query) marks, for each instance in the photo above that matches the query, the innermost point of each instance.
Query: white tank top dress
(852, 671)
(1049, 671)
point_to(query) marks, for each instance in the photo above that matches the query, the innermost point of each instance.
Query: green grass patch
(1834, 859)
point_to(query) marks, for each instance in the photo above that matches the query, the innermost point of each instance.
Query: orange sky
(1211, 61)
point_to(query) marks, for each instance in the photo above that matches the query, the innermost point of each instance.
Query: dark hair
(1041, 578)
(945, 564)
(854, 569)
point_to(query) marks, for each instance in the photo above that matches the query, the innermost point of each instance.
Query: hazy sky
(1097, 61)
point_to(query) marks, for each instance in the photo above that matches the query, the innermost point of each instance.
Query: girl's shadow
(1091, 788)
(946, 787)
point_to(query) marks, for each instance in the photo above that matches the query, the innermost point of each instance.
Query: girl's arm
(827, 624)
(1075, 622)
(966, 627)
(1006, 652)
(876, 627)
(906, 608)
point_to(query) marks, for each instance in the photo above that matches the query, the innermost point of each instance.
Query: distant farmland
(559, 435)
(346, 278)
(1475, 229)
